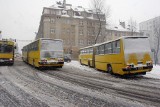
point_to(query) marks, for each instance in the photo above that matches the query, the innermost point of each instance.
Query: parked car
(67, 58)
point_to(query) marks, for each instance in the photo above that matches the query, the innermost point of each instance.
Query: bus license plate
(140, 68)
(1, 60)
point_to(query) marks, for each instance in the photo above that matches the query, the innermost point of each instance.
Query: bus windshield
(136, 45)
(6, 48)
(51, 48)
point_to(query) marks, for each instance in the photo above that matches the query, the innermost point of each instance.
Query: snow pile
(76, 64)
(155, 73)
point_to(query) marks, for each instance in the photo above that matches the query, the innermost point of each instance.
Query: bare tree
(132, 25)
(156, 28)
(102, 12)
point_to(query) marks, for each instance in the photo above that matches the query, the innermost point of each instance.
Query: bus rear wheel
(109, 69)
(80, 61)
(89, 64)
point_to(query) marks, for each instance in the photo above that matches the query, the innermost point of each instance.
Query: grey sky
(20, 18)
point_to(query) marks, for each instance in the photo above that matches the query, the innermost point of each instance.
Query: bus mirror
(15, 47)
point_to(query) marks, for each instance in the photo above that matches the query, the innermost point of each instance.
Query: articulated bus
(86, 56)
(124, 56)
(6, 52)
(44, 53)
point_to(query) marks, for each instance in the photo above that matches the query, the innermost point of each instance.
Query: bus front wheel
(109, 69)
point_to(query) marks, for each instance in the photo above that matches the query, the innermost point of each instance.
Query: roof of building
(117, 28)
(60, 6)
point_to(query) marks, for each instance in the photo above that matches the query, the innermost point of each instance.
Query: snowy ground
(74, 85)
(155, 73)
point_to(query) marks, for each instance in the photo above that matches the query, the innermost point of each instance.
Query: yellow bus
(44, 53)
(6, 52)
(126, 55)
(86, 56)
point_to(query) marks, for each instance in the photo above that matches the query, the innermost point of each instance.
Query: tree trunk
(99, 29)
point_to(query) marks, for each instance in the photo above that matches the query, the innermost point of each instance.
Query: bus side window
(102, 49)
(91, 50)
(97, 52)
(106, 49)
(88, 51)
(116, 47)
(110, 48)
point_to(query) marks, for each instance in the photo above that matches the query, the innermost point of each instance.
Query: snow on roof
(88, 10)
(91, 18)
(57, 6)
(117, 28)
(78, 8)
(68, 7)
(60, 6)
(79, 17)
(65, 15)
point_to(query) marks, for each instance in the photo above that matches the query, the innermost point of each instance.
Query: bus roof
(43, 39)
(49, 39)
(87, 47)
(123, 37)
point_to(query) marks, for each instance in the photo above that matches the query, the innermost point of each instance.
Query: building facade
(148, 29)
(76, 26)
(114, 32)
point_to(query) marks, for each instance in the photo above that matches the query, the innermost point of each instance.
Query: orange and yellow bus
(123, 56)
(44, 53)
(7, 52)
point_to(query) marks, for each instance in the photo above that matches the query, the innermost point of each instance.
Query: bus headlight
(130, 66)
(11, 59)
(60, 59)
(43, 61)
(149, 63)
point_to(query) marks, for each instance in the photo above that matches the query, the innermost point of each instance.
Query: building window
(81, 42)
(58, 12)
(52, 20)
(93, 24)
(68, 31)
(88, 32)
(52, 30)
(89, 42)
(115, 34)
(53, 12)
(100, 34)
(46, 11)
(81, 32)
(93, 33)
(81, 23)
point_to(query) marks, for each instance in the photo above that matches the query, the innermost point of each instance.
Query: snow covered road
(75, 85)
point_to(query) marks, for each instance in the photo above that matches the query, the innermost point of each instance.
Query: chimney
(64, 4)
(123, 24)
